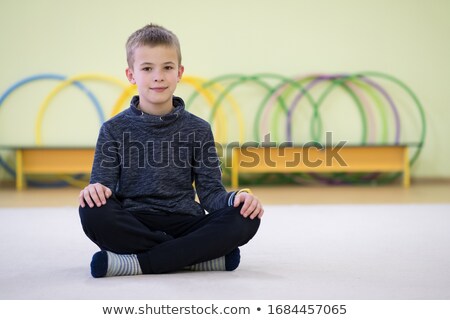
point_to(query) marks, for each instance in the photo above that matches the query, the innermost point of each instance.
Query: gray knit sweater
(150, 162)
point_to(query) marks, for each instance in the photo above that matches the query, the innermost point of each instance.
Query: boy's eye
(146, 69)
(169, 67)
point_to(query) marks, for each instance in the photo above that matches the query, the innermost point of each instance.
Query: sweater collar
(159, 121)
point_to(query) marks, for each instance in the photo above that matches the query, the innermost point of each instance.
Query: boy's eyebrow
(151, 64)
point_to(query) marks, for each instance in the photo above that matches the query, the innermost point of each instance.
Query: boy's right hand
(94, 194)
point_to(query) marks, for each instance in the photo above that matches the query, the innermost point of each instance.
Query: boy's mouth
(158, 89)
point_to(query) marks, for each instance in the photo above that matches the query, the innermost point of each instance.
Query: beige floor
(301, 252)
(420, 192)
(333, 245)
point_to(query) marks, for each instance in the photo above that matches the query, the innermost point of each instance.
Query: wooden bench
(37, 160)
(250, 159)
(312, 159)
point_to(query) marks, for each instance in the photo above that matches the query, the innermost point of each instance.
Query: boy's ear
(130, 75)
(180, 72)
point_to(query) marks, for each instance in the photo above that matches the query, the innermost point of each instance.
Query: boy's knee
(95, 216)
(244, 227)
(99, 222)
(90, 219)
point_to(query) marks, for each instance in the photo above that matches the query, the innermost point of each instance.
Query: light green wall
(407, 39)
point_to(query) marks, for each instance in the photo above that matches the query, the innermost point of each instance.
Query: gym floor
(383, 242)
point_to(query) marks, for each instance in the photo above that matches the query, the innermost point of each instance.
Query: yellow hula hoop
(44, 105)
(198, 85)
(237, 111)
(125, 96)
(220, 117)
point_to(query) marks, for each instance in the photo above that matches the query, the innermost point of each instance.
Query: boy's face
(156, 73)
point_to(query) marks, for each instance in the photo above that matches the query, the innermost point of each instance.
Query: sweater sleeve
(208, 176)
(106, 166)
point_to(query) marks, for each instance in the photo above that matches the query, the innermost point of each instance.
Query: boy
(140, 207)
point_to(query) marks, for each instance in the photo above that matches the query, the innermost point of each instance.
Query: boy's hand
(252, 206)
(94, 193)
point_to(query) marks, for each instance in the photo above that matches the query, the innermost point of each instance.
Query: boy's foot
(108, 264)
(232, 260)
(226, 263)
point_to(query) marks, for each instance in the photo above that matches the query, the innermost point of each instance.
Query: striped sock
(210, 265)
(108, 264)
(225, 263)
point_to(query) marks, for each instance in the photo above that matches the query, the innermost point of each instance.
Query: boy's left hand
(252, 206)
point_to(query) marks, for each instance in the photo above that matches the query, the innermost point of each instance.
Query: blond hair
(151, 35)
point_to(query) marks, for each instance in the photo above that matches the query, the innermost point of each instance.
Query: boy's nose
(158, 77)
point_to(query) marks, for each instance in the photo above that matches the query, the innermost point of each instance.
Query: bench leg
(20, 182)
(235, 169)
(406, 170)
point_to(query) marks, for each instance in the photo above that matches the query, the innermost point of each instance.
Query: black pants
(165, 243)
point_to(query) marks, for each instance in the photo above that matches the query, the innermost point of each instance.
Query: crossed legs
(166, 243)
